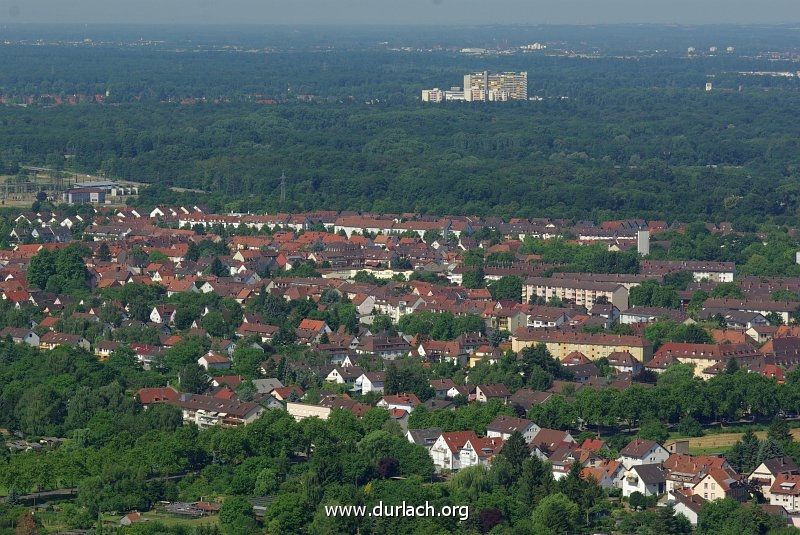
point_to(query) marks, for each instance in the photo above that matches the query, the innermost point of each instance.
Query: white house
(370, 382)
(640, 451)
(765, 473)
(445, 451)
(503, 426)
(648, 479)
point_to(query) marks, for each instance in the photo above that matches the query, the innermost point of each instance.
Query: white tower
(643, 242)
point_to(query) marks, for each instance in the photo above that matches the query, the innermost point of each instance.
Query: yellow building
(594, 345)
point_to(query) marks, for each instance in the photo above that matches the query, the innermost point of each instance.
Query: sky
(400, 11)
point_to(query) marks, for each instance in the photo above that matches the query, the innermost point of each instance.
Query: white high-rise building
(432, 95)
(485, 86)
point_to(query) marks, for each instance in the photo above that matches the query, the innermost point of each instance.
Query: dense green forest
(646, 153)
(624, 127)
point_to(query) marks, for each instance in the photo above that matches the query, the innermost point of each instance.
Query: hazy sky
(400, 11)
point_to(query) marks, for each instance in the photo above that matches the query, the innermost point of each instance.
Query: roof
(638, 448)
(230, 407)
(455, 440)
(498, 390)
(783, 464)
(578, 337)
(651, 474)
(165, 394)
(425, 437)
(786, 484)
(508, 424)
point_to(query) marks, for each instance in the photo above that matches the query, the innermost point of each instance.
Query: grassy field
(167, 519)
(720, 442)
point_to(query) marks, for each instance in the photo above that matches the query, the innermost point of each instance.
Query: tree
(515, 450)
(409, 377)
(652, 294)
(387, 467)
(27, 524)
(727, 290)
(236, 516)
(779, 431)
(744, 453)
(488, 518)
(41, 268)
(217, 268)
(638, 501)
(653, 430)
(509, 287)
(382, 323)
(103, 252)
(192, 378)
(689, 427)
(474, 278)
(556, 514)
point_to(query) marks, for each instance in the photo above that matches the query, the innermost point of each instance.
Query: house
(479, 451)
(208, 411)
(523, 399)
(578, 291)
(503, 426)
(445, 451)
(404, 400)
(688, 505)
(370, 382)
(150, 396)
(163, 314)
(263, 331)
(265, 386)
(285, 393)
(104, 348)
(608, 474)
(561, 343)
(623, 362)
(131, 518)
(705, 356)
(642, 451)
(765, 473)
(424, 437)
(344, 375)
(722, 483)
(647, 479)
(546, 441)
(214, 361)
(19, 336)
(686, 471)
(785, 491)
(484, 393)
(52, 340)
(441, 386)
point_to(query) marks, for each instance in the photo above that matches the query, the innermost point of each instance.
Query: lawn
(167, 519)
(719, 442)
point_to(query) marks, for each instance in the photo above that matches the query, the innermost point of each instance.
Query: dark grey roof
(651, 474)
(425, 437)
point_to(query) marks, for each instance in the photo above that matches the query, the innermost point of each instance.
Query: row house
(580, 292)
(701, 270)
(707, 359)
(208, 411)
(561, 343)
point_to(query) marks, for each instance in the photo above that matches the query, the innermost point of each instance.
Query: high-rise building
(483, 86)
(432, 95)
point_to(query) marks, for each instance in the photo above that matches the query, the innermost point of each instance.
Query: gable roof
(638, 448)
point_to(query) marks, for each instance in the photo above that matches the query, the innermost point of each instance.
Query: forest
(628, 135)
(724, 157)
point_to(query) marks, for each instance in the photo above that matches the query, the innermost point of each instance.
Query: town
(475, 338)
